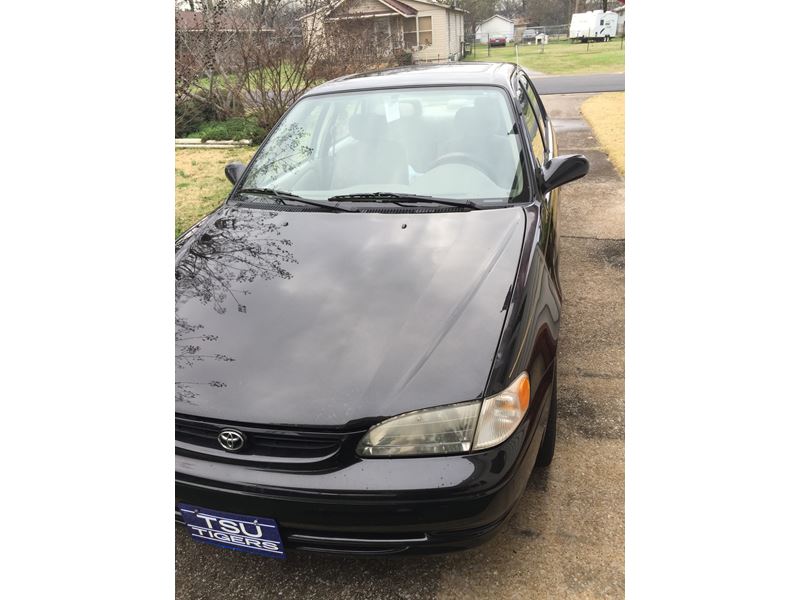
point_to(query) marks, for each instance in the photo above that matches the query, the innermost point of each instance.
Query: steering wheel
(462, 158)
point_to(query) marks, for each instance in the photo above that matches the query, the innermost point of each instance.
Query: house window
(418, 32)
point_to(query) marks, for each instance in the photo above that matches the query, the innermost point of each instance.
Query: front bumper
(374, 506)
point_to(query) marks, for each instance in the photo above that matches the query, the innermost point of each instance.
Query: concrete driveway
(567, 538)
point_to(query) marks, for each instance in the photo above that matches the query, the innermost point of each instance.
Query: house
(431, 31)
(198, 21)
(496, 25)
(195, 30)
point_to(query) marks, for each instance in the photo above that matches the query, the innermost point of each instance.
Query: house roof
(397, 6)
(187, 20)
(498, 16)
(440, 5)
(393, 6)
(403, 9)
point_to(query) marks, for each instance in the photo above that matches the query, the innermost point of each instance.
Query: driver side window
(531, 118)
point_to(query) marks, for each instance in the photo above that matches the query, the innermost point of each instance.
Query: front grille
(262, 443)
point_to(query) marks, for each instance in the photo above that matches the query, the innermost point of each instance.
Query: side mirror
(234, 171)
(563, 169)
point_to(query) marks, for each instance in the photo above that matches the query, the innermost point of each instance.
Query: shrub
(238, 128)
(190, 114)
(403, 57)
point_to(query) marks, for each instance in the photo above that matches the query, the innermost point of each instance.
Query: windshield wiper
(283, 196)
(398, 198)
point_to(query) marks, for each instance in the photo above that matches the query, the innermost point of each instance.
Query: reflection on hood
(323, 319)
(215, 269)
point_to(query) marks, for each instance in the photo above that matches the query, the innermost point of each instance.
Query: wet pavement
(578, 84)
(566, 539)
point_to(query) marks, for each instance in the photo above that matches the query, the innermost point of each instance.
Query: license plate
(258, 535)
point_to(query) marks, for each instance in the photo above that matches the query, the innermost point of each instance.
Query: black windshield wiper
(283, 196)
(397, 198)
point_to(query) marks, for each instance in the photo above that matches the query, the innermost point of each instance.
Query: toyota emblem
(231, 440)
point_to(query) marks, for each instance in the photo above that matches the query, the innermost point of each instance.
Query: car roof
(470, 73)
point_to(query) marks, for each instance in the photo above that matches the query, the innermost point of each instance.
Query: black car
(366, 330)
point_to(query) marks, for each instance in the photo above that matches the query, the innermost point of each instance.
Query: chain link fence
(554, 32)
(523, 34)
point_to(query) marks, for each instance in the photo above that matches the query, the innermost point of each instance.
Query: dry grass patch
(200, 183)
(606, 114)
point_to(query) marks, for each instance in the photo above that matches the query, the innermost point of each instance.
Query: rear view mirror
(563, 169)
(234, 171)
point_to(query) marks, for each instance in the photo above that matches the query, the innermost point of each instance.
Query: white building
(494, 26)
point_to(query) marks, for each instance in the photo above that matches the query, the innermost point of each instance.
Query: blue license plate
(239, 532)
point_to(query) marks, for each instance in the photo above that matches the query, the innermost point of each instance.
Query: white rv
(593, 25)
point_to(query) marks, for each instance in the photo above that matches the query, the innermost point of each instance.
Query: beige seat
(372, 158)
(479, 131)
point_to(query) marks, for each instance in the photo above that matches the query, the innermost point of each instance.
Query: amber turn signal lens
(502, 413)
(524, 392)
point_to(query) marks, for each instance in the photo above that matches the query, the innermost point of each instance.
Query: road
(578, 84)
(566, 539)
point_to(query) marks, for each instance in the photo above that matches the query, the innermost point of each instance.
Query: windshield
(446, 142)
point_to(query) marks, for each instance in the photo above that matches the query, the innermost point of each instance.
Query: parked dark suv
(366, 330)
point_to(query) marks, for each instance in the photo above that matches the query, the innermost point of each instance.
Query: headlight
(452, 429)
(443, 430)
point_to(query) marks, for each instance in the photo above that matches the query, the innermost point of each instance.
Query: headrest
(466, 118)
(481, 119)
(488, 114)
(365, 127)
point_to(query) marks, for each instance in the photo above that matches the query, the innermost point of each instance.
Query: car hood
(336, 319)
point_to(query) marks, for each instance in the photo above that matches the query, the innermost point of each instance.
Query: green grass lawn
(559, 57)
(200, 183)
